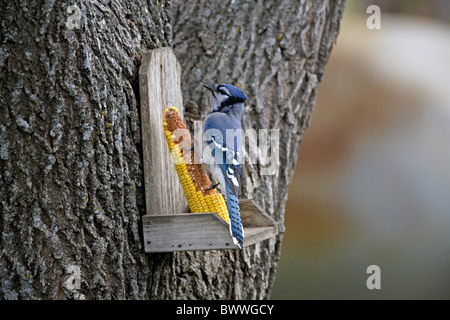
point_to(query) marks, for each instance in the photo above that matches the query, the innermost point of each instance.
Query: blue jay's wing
(217, 154)
(231, 168)
(228, 160)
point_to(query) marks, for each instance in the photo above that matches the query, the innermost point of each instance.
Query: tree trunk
(71, 176)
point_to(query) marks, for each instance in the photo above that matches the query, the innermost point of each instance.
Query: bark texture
(71, 188)
(71, 180)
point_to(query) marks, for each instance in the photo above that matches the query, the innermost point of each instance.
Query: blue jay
(222, 144)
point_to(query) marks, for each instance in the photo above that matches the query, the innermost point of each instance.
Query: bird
(222, 147)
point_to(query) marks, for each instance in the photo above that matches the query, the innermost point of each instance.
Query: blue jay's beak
(210, 86)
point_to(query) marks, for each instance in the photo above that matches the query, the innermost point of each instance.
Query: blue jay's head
(224, 96)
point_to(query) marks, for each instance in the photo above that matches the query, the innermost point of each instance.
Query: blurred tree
(71, 189)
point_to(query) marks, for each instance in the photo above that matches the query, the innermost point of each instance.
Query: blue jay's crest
(224, 163)
(232, 91)
(226, 97)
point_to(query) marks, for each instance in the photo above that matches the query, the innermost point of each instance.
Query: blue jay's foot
(213, 186)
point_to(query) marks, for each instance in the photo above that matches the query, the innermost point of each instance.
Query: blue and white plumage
(222, 144)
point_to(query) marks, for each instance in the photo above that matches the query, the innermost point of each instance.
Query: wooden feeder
(167, 225)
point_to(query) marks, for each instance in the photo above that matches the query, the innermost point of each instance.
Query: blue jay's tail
(234, 213)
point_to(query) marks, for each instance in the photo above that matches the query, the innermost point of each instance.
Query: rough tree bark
(71, 180)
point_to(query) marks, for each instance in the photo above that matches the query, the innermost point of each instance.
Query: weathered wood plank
(252, 215)
(254, 235)
(186, 231)
(204, 231)
(159, 85)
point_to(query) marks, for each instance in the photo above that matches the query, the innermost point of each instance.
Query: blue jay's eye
(223, 92)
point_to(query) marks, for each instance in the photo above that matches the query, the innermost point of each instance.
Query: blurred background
(372, 183)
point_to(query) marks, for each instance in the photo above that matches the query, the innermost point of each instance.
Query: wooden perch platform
(166, 227)
(205, 231)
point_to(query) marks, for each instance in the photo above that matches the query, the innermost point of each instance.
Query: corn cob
(194, 180)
